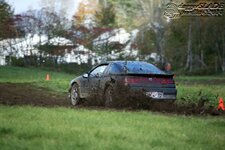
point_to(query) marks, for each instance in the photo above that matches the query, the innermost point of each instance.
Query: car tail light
(135, 80)
(163, 80)
(167, 81)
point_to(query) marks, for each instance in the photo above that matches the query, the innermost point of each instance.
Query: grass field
(27, 127)
(190, 89)
(62, 128)
(59, 81)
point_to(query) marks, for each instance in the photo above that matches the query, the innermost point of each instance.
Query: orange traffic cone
(47, 77)
(221, 104)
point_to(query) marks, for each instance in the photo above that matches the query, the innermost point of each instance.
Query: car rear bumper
(157, 93)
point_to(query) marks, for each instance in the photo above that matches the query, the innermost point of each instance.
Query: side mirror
(85, 75)
(97, 75)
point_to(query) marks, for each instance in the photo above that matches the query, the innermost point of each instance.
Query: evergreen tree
(106, 16)
(7, 28)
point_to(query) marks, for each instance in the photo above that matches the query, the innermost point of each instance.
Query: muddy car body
(107, 78)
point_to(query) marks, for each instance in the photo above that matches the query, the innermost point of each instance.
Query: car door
(95, 77)
(84, 85)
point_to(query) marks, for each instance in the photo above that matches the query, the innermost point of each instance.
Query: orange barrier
(47, 77)
(221, 104)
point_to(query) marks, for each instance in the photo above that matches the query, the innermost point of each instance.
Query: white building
(28, 46)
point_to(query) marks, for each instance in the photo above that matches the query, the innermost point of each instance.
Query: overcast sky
(24, 5)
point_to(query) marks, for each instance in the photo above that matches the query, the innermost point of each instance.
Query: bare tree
(62, 7)
(152, 10)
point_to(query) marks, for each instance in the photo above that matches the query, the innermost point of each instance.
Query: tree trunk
(105, 4)
(219, 56)
(189, 51)
(223, 53)
(216, 64)
(55, 60)
(159, 43)
(202, 59)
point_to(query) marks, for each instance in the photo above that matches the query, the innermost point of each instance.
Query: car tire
(108, 95)
(74, 95)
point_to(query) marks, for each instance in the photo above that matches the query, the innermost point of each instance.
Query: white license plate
(154, 94)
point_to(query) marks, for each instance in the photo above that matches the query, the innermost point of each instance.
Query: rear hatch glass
(135, 67)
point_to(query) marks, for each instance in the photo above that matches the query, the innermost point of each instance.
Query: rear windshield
(134, 68)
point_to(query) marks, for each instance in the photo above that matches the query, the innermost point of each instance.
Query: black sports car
(139, 76)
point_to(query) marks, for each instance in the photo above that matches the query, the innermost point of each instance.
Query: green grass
(189, 87)
(192, 89)
(195, 93)
(199, 78)
(62, 128)
(26, 127)
(59, 81)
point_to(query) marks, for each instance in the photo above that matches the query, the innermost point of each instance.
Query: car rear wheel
(109, 96)
(74, 95)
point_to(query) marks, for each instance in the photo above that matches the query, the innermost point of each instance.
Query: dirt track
(26, 94)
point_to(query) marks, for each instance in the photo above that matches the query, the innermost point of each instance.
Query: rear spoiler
(147, 75)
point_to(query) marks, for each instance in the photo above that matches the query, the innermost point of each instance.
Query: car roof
(121, 61)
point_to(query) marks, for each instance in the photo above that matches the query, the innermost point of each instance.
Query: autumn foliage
(86, 9)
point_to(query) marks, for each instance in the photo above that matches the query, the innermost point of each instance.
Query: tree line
(190, 44)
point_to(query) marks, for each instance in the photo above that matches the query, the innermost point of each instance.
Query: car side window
(115, 69)
(98, 71)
